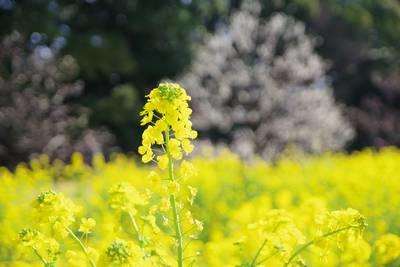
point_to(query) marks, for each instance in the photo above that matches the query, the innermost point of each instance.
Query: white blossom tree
(259, 85)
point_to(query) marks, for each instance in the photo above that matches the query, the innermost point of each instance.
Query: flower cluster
(87, 225)
(167, 110)
(78, 258)
(341, 227)
(123, 253)
(239, 208)
(168, 113)
(276, 240)
(56, 215)
(125, 197)
(388, 248)
(28, 236)
(46, 248)
(278, 234)
(246, 219)
(56, 210)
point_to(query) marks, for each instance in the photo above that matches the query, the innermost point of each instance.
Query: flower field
(210, 210)
(237, 203)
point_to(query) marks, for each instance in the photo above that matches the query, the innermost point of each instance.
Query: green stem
(253, 263)
(135, 226)
(306, 245)
(40, 256)
(268, 257)
(172, 200)
(84, 249)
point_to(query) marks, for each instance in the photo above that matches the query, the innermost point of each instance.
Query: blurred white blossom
(260, 86)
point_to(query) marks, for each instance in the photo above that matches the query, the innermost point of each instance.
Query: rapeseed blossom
(47, 249)
(239, 208)
(166, 111)
(292, 213)
(125, 197)
(168, 114)
(56, 210)
(87, 225)
(122, 253)
(388, 248)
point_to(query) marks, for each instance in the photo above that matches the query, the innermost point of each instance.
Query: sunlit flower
(87, 225)
(167, 111)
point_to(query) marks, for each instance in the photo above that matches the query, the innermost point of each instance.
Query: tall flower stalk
(172, 200)
(167, 115)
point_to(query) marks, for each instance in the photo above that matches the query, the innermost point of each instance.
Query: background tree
(360, 39)
(125, 47)
(36, 115)
(130, 42)
(259, 86)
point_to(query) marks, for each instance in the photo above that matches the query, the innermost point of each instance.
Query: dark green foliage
(37, 111)
(116, 42)
(118, 112)
(139, 42)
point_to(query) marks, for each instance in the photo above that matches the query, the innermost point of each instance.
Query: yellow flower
(187, 146)
(93, 254)
(173, 187)
(174, 147)
(164, 205)
(42, 245)
(170, 102)
(154, 177)
(87, 224)
(123, 253)
(162, 162)
(193, 193)
(146, 152)
(388, 248)
(125, 197)
(75, 258)
(55, 209)
(151, 219)
(199, 225)
(187, 170)
(28, 236)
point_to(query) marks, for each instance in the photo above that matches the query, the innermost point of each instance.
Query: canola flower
(292, 213)
(87, 224)
(241, 210)
(56, 210)
(47, 249)
(123, 253)
(167, 115)
(388, 249)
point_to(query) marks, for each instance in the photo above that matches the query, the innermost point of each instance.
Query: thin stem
(40, 256)
(158, 150)
(306, 245)
(172, 200)
(253, 263)
(188, 231)
(191, 264)
(187, 244)
(84, 249)
(268, 257)
(135, 226)
(188, 257)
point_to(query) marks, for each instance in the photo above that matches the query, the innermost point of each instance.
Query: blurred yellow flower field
(221, 133)
(214, 210)
(238, 209)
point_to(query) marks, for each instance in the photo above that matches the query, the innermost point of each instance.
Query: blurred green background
(119, 50)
